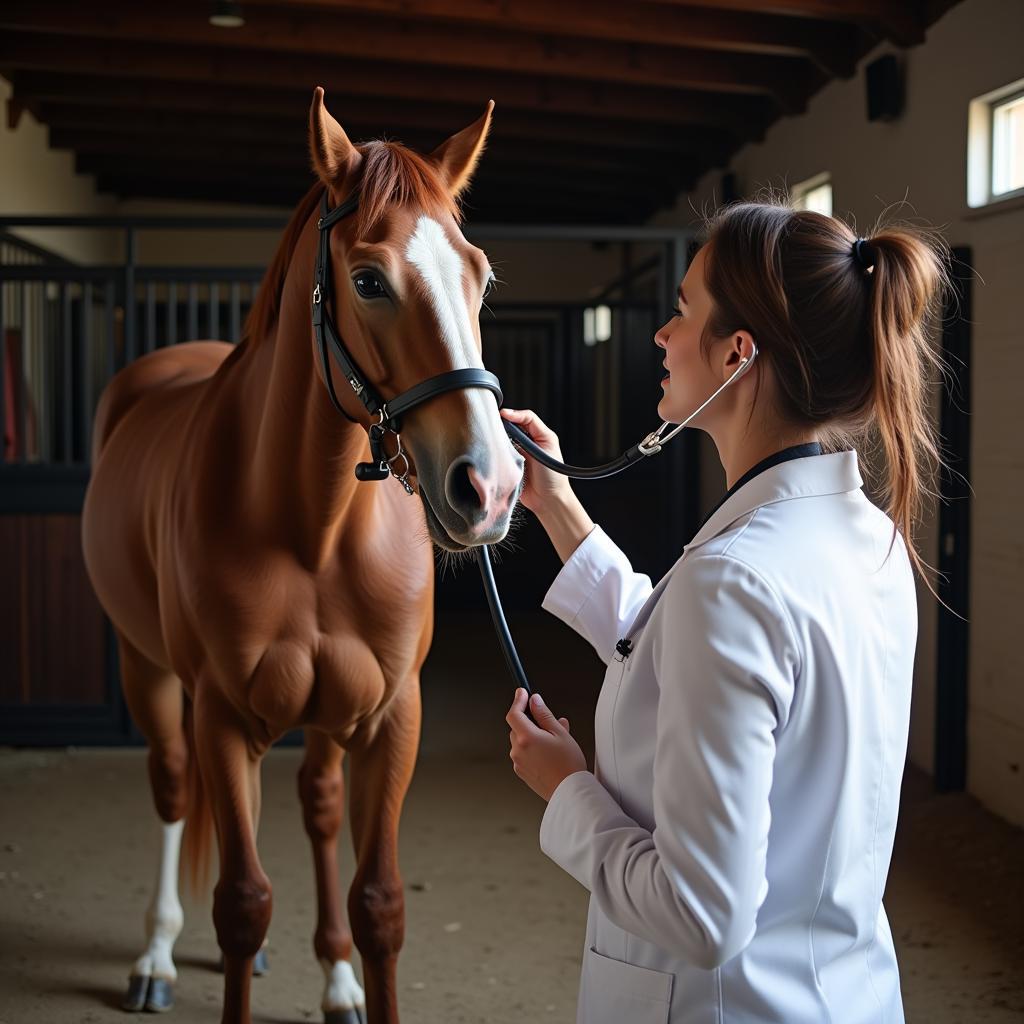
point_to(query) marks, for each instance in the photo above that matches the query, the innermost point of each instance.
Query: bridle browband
(390, 412)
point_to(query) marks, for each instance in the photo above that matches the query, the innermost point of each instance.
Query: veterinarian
(736, 831)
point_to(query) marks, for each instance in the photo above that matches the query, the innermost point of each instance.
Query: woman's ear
(743, 349)
(457, 158)
(334, 157)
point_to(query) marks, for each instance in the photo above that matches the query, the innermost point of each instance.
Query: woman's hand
(543, 754)
(541, 487)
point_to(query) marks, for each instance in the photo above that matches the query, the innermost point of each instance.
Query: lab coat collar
(813, 475)
(795, 478)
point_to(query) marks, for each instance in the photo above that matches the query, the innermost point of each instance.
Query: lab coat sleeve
(598, 593)
(726, 660)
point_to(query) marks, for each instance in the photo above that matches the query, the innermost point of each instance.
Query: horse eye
(368, 285)
(489, 286)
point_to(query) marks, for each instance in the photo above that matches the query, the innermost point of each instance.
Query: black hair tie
(864, 254)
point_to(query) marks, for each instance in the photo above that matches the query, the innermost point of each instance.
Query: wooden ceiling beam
(747, 116)
(787, 80)
(140, 101)
(828, 44)
(901, 21)
(84, 99)
(389, 117)
(265, 150)
(511, 177)
(501, 207)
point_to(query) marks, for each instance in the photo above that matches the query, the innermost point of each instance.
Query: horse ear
(457, 158)
(334, 156)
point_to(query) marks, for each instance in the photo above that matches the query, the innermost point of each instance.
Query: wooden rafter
(827, 44)
(787, 80)
(271, 150)
(104, 57)
(605, 109)
(902, 22)
(116, 103)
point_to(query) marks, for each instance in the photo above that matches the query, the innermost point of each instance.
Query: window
(813, 194)
(597, 324)
(995, 146)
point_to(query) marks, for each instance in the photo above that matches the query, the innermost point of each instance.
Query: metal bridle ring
(399, 455)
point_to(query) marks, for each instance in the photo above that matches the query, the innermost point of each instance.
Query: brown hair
(850, 347)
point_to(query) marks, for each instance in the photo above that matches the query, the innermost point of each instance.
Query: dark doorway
(954, 533)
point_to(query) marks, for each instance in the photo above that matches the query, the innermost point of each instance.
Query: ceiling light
(227, 14)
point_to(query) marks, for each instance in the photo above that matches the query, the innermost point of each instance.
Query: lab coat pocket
(614, 992)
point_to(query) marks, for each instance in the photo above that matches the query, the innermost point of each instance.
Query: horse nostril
(461, 489)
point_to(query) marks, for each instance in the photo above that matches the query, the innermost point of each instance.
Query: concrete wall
(973, 49)
(35, 179)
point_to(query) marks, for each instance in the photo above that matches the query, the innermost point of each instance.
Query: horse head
(407, 289)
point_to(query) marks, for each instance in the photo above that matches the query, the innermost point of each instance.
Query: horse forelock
(396, 176)
(392, 175)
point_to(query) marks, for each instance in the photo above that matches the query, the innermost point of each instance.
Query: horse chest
(344, 649)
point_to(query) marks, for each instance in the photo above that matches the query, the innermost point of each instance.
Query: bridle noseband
(389, 414)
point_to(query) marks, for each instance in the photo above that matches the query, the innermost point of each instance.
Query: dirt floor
(494, 929)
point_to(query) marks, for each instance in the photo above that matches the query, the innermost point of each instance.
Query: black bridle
(389, 414)
(328, 339)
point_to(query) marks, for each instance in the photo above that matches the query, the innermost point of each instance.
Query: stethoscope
(650, 445)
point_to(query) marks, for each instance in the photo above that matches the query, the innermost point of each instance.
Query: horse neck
(303, 469)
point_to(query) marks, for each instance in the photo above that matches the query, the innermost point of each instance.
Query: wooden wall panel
(52, 632)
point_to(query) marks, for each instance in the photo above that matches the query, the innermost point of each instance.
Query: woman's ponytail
(907, 283)
(846, 324)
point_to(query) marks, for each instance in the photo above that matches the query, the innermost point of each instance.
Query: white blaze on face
(440, 268)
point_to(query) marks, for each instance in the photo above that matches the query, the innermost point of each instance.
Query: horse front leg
(322, 791)
(376, 903)
(242, 899)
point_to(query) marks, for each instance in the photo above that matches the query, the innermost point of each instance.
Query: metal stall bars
(65, 329)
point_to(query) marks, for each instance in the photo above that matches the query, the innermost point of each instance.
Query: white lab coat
(736, 834)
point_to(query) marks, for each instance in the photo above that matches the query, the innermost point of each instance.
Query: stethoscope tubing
(650, 445)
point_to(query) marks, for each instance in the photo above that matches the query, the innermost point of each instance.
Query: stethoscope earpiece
(653, 442)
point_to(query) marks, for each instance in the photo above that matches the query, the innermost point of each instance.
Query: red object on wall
(12, 373)
(19, 419)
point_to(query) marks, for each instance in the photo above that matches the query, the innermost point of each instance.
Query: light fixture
(227, 14)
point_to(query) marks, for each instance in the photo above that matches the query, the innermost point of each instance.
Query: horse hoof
(156, 995)
(353, 1016)
(160, 997)
(260, 964)
(135, 998)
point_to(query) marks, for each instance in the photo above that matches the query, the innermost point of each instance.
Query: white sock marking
(341, 990)
(164, 916)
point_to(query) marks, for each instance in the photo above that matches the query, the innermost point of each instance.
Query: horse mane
(392, 176)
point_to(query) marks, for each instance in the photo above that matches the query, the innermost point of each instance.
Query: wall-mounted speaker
(884, 78)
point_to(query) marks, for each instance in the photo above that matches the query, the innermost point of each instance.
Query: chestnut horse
(256, 586)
